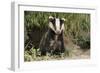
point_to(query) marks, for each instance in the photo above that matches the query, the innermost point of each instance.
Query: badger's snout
(58, 32)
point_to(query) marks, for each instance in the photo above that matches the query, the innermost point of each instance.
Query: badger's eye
(52, 21)
(61, 22)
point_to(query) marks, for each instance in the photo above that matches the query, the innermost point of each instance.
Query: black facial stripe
(53, 21)
(61, 22)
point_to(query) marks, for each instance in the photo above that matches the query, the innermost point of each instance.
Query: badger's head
(56, 24)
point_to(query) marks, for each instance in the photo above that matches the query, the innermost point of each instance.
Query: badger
(52, 42)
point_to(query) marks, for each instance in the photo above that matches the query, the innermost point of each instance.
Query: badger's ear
(63, 19)
(51, 17)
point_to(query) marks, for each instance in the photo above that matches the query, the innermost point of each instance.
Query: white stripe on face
(51, 26)
(57, 24)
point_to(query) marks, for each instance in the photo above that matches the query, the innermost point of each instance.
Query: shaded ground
(74, 52)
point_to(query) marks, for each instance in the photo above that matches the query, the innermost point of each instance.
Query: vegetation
(77, 30)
